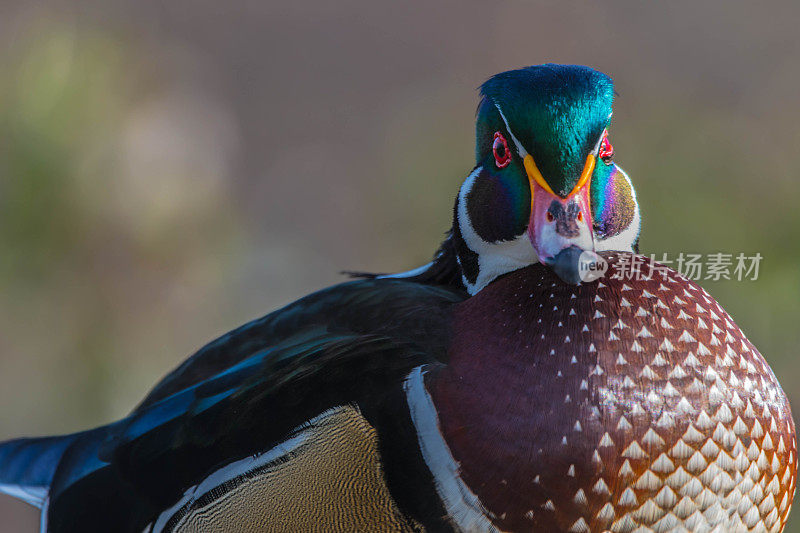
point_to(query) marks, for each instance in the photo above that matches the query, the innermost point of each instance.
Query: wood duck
(487, 391)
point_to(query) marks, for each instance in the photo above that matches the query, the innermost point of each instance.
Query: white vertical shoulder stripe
(461, 503)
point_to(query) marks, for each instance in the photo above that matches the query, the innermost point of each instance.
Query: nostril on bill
(565, 219)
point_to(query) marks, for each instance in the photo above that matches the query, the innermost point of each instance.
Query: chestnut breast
(613, 405)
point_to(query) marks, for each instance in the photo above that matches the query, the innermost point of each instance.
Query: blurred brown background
(170, 170)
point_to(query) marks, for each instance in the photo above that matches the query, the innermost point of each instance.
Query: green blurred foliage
(79, 246)
(60, 100)
(61, 97)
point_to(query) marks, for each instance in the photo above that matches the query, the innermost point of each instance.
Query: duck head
(545, 187)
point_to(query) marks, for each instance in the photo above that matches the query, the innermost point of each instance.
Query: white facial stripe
(494, 258)
(461, 503)
(520, 149)
(597, 146)
(596, 149)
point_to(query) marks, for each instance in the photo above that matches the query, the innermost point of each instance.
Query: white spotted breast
(615, 405)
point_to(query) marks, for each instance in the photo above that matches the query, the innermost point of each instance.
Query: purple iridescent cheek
(613, 201)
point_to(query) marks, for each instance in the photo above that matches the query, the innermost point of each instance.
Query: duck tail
(27, 467)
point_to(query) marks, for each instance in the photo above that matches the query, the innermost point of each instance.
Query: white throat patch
(494, 258)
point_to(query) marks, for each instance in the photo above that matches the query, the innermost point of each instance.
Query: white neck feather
(494, 258)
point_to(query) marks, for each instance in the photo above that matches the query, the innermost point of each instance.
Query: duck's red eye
(606, 152)
(500, 148)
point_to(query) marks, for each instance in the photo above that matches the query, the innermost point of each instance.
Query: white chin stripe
(462, 505)
(494, 258)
